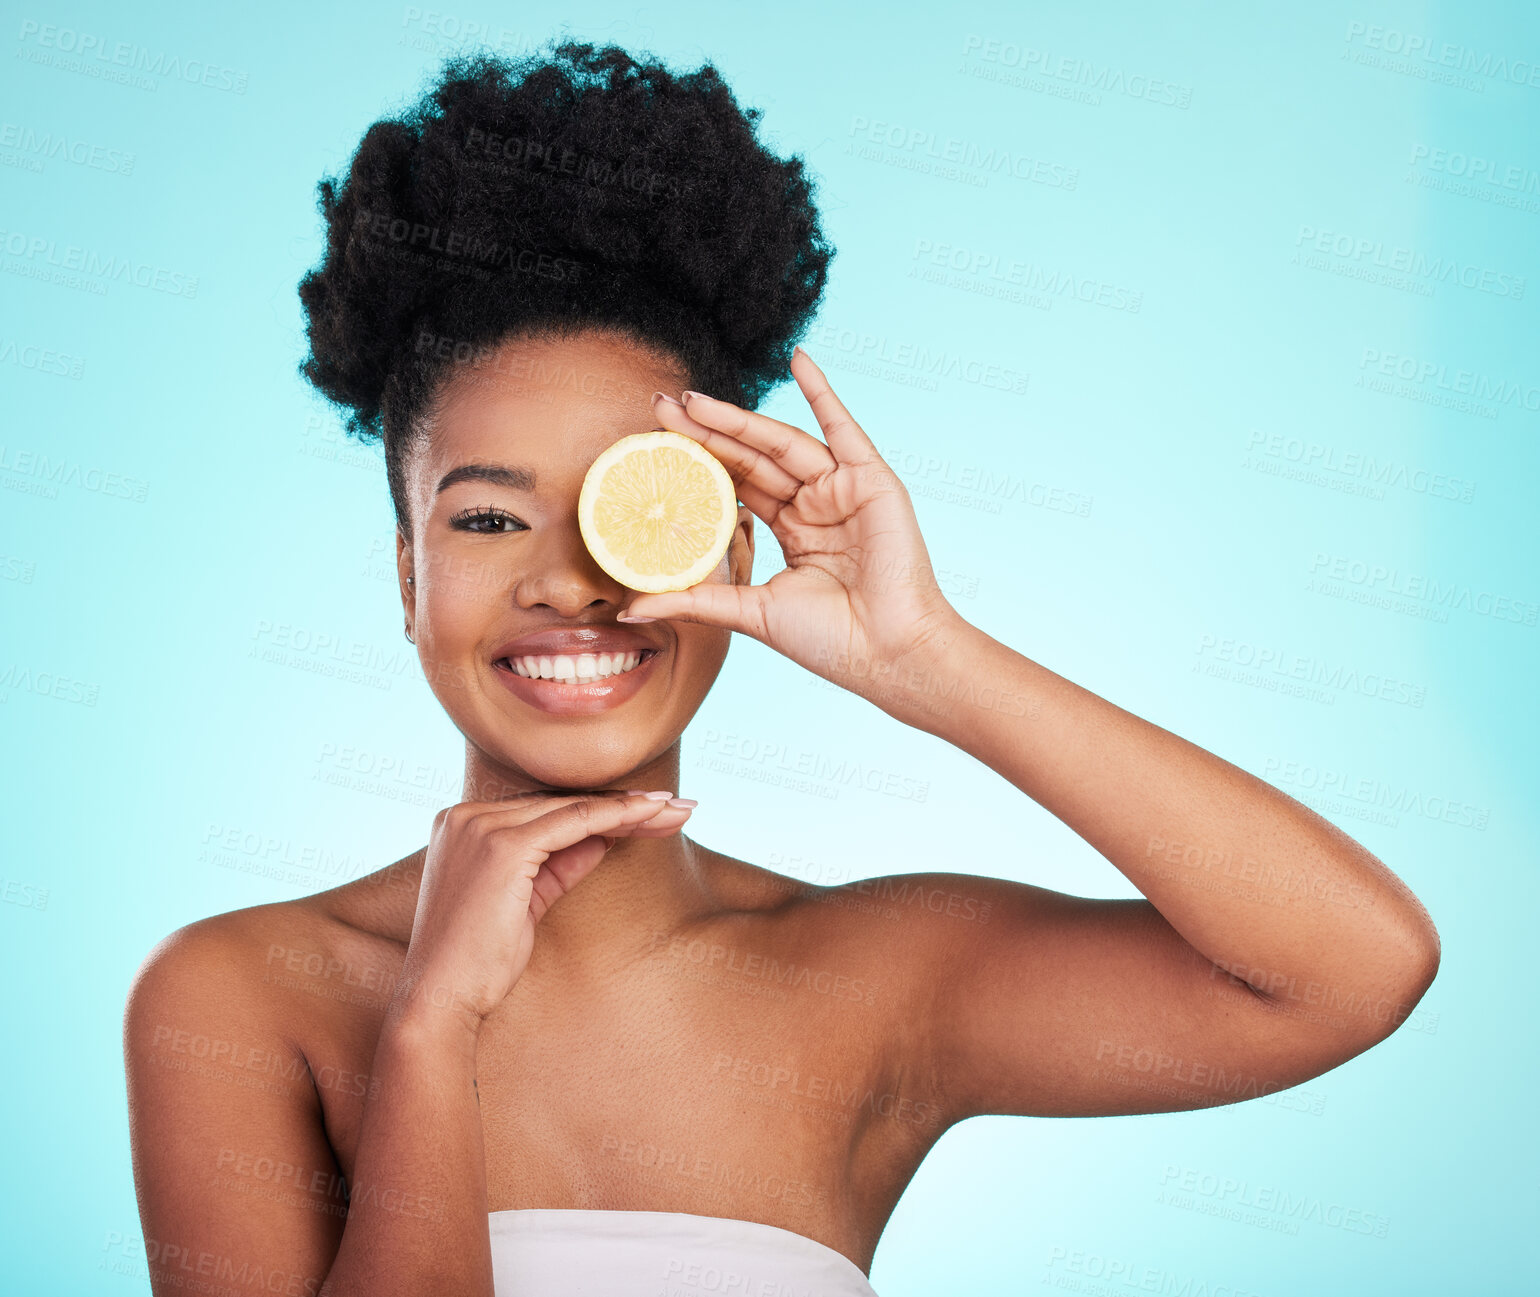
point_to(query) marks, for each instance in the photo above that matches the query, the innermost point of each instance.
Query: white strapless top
(576, 1252)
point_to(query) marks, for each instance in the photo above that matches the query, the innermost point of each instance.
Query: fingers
(580, 818)
(847, 440)
(764, 506)
(755, 449)
(549, 884)
(538, 801)
(565, 867)
(575, 817)
(550, 823)
(622, 810)
(668, 820)
(740, 608)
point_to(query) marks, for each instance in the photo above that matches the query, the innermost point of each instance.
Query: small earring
(410, 579)
(407, 631)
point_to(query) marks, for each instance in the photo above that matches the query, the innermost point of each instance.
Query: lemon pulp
(657, 511)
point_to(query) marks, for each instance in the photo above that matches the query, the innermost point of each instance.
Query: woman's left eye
(467, 520)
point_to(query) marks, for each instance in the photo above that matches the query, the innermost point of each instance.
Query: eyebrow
(519, 479)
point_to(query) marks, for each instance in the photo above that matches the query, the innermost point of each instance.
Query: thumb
(732, 607)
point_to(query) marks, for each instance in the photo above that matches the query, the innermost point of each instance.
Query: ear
(741, 556)
(404, 567)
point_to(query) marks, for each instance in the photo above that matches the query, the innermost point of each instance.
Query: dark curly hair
(541, 196)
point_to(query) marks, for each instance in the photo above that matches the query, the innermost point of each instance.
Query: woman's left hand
(858, 594)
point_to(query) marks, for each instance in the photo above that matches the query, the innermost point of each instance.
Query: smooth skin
(564, 1001)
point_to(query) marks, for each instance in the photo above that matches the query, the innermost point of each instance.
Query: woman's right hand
(492, 871)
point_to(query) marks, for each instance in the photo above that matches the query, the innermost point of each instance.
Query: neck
(642, 887)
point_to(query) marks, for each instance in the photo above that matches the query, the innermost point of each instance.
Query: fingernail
(636, 792)
(798, 347)
(628, 616)
(688, 395)
(682, 801)
(660, 794)
(664, 396)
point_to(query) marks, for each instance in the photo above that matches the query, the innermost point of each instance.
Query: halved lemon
(657, 511)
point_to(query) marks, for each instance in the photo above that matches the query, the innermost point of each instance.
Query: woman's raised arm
(1239, 878)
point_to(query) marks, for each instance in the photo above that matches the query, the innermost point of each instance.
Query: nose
(562, 575)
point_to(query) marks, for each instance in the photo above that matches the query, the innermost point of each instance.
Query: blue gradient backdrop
(1268, 482)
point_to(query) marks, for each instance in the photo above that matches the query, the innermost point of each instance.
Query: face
(501, 561)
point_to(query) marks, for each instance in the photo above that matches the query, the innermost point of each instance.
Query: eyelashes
(469, 520)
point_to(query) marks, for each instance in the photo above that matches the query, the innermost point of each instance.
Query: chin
(577, 768)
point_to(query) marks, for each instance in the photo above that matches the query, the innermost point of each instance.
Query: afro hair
(538, 196)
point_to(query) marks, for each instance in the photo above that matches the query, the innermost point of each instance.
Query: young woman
(564, 1047)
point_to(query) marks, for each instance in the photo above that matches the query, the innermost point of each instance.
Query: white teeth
(575, 668)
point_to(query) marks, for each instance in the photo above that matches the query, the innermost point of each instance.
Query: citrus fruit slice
(657, 511)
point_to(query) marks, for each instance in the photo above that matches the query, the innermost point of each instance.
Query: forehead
(548, 404)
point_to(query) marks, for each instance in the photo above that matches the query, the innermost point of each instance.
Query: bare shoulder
(199, 989)
(935, 939)
(214, 957)
(264, 977)
(942, 912)
(915, 926)
(937, 921)
(886, 942)
(222, 1090)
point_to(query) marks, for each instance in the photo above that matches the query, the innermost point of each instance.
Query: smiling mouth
(574, 669)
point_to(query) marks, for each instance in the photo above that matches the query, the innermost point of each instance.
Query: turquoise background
(1195, 533)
